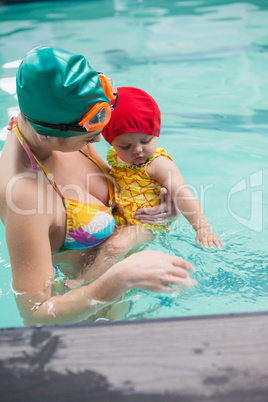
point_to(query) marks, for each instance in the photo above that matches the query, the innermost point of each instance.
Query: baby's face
(134, 148)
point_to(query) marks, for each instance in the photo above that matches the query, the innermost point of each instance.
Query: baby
(140, 169)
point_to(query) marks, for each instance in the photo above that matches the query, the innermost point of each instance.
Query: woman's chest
(79, 178)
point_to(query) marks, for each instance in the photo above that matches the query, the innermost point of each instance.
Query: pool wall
(209, 358)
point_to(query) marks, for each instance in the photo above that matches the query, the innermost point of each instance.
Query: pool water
(205, 63)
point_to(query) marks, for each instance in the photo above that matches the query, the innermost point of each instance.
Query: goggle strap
(106, 86)
(61, 127)
(115, 102)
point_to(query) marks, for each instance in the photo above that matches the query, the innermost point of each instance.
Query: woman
(55, 197)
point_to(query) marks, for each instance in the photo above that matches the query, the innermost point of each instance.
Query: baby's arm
(168, 175)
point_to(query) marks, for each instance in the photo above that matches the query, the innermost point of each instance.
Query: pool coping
(200, 358)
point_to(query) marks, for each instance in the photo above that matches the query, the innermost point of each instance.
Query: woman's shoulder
(23, 194)
(26, 193)
(17, 185)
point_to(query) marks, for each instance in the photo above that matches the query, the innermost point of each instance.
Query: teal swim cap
(57, 87)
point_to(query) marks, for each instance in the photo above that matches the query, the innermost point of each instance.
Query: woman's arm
(32, 271)
(148, 270)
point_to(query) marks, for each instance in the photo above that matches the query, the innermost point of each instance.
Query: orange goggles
(100, 114)
(97, 117)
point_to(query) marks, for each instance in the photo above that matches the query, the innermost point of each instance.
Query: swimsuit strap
(108, 177)
(13, 124)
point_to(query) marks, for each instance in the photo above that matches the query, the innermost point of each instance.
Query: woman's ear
(43, 138)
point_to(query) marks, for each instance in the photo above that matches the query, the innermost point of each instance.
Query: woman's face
(77, 142)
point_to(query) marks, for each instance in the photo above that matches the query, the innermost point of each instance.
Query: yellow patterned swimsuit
(134, 189)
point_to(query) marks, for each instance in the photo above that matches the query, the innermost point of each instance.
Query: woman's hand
(207, 237)
(160, 213)
(155, 271)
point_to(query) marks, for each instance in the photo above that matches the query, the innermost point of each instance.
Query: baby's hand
(207, 237)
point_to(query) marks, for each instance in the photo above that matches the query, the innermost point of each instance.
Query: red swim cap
(135, 112)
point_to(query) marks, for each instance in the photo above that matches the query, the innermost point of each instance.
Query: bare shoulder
(23, 192)
(161, 163)
(25, 201)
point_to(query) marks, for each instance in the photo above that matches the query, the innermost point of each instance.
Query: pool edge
(201, 358)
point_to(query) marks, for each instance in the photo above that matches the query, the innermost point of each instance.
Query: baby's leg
(127, 238)
(123, 240)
